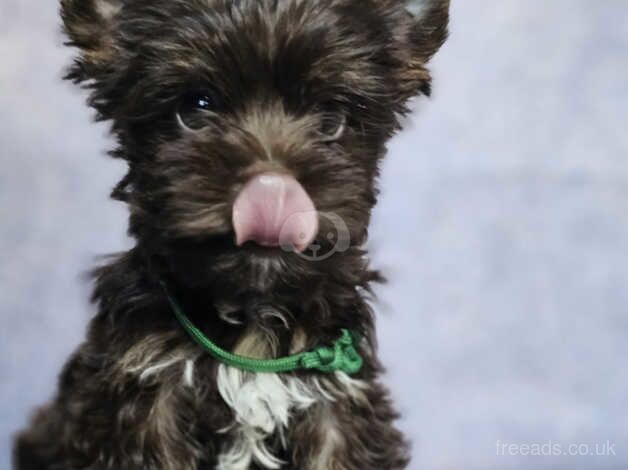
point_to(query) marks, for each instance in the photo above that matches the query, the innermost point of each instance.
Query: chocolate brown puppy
(253, 131)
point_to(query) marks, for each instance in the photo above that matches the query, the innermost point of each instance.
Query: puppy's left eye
(194, 108)
(333, 126)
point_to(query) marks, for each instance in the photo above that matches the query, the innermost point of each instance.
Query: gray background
(502, 227)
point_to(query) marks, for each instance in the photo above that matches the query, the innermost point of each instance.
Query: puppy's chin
(259, 253)
(217, 263)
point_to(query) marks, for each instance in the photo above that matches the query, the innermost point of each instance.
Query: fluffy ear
(426, 35)
(88, 25)
(430, 31)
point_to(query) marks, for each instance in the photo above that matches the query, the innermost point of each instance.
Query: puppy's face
(252, 128)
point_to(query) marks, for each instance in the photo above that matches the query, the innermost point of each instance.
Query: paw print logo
(335, 238)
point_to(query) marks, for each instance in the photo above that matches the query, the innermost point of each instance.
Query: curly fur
(138, 394)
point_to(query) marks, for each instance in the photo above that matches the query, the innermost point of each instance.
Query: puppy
(253, 131)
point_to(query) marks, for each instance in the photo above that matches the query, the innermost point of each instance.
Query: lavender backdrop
(502, 227)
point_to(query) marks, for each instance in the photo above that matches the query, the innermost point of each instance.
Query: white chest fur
(262, 405)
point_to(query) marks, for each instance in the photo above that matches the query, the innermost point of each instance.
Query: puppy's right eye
(194, 109)
(333, 126)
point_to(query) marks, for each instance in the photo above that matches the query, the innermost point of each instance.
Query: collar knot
(341, 356)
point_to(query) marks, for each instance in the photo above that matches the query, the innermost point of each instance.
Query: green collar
(340, 356)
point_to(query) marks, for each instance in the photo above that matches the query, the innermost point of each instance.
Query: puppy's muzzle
(273, 210)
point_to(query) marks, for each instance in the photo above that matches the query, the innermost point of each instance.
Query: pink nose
(273, 209)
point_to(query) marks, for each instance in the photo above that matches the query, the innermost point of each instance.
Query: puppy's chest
(255, 420)
(263, 408)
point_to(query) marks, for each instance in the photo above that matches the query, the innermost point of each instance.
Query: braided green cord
(341, 356)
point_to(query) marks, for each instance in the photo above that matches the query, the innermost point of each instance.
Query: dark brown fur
(277, 67)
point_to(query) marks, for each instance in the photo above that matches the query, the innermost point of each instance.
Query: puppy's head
(252, 128)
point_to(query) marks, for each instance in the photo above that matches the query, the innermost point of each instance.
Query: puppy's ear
(426, 34)
(88, 25)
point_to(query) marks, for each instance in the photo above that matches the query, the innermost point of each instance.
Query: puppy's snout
(273, 209)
